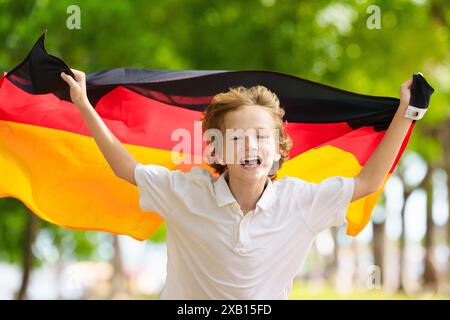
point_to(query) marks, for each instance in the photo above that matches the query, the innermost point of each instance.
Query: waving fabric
(49, 160)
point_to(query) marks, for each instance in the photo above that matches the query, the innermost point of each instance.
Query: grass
(302, 291)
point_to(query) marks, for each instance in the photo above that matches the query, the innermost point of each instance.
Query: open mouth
(252, 162)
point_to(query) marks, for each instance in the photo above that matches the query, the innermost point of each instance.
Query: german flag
(50, 162)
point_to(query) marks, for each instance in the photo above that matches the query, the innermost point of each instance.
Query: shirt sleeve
(325, 204)
(157, 188)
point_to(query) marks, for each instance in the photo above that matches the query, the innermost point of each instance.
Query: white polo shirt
(214, 251)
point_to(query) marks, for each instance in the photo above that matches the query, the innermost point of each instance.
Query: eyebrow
(251, 128)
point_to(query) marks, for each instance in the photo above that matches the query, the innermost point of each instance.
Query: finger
(75, 71)
(70, 81)
(408, 83)
(79, 75)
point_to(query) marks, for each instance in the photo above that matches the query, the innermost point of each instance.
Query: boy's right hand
(77, 87)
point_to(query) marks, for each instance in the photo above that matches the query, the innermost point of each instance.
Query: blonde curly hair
(240, 96)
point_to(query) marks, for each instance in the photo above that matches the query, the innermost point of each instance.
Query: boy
(243, 235)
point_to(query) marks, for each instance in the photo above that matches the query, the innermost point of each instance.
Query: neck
(246, 194)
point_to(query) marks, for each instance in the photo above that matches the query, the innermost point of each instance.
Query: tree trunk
(331, 267)
(402, 253)
(402, 243)
(429, 279)
(356, 277)
(27, 255)
(119, 285)
(378, 248)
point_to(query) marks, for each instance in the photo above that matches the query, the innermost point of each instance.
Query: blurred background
(369, 47)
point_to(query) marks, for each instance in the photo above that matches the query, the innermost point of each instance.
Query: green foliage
(12, 229)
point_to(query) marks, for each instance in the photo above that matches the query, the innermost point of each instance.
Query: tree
(30, 235)
(429, 278)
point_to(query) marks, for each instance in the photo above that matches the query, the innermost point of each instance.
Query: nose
(251, 143)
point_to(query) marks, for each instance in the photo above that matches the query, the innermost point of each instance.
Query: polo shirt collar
(224, 196)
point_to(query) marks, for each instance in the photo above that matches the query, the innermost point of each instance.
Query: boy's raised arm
(119, 159)
(371, 177)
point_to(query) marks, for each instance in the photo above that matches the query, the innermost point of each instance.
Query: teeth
(251, 161)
